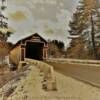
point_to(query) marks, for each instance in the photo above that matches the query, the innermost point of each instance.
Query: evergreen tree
(4, 29)
(56, 48)
(4, 32)
(85, 24)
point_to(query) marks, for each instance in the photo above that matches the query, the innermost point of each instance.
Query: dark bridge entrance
(34, 50)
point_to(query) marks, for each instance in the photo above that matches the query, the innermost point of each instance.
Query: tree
(59, 44)
(56, 48)
(85, 24)
(4, 32)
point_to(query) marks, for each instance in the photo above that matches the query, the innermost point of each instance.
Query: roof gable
(30, 37)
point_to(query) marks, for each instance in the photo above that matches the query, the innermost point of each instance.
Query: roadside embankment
(77, 61)
(29, 86)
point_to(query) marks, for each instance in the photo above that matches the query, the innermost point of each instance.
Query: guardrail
(75, 61)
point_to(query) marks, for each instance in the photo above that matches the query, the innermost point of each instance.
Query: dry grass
(6, 75)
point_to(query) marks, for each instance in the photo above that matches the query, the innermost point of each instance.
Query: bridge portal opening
(34, 50)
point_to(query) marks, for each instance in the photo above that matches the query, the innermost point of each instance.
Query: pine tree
(4, 31)
(85, 24)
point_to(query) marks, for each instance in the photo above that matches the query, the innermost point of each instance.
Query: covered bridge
(33, 47)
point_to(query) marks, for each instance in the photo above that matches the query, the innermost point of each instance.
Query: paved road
(88, 74)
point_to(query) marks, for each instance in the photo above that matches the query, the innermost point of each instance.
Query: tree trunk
(93, 37)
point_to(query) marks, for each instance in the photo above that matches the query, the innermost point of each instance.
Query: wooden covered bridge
(33, 47)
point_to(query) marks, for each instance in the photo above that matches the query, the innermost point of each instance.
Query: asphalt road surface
(85, 73)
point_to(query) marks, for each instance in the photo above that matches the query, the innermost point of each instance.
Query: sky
(49, 18)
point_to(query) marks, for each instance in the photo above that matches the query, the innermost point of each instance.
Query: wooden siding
(15, 55)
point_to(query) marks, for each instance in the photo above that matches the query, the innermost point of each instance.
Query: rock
(22, 64)
(51, 86)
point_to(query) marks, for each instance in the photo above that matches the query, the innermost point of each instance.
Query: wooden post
(22, 54)
(45, 53)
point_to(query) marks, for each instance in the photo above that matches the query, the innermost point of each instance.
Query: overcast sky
(49, 18)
